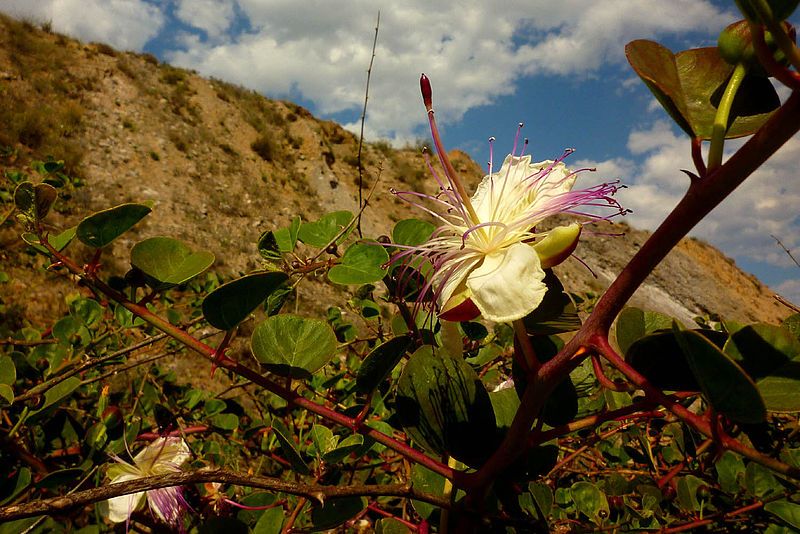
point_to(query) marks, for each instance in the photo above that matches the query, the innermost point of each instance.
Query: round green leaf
(6, 395)
(24, 198)
(101, 228)
(590, 501)
(762, 348)
(225, 421)
(289, 345)
(323, 439)
(725, 385)
(288, 447)
(8, 372)
(336, 511)
(321, 232)
(443, 406)
(168, 262)
(787, 511)
(634, 323)
(412, 232)
(659, 358)
(345, 448)
(505, 403)
(427, 481)
(231, 303)
(380, 362)
(361, 263)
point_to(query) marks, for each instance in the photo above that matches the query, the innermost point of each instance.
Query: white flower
(162, 456)
(487, 255)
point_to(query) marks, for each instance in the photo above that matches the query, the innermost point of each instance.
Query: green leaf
(44, 195)
(323, 439)
(590, 501)
(293, 346)
(101, 228)
(771, 355)
(225, 421)
(659, 358)
(634, 323)
(724, 384)
(8, 372)
(24, 199)
(443, 405)
(13, 487)
(425, 480)
(6, 394)
(232, 303)
(792, 324)
(556, 314)
(58, 242)
(412, 232)
(687, 492)
(57, 393)
(379, 363)
(322, 231)
(390, 525)
(286, 238)
(288, 447)
(168, 262)
(505, 404)
(87, 311)
(689, 86)
(268, 246)
(270, 522)
(56, 479)
(361, 263)
(345, 448)
(787, 511)
(336, 511)
(760, 482)
(730, 472)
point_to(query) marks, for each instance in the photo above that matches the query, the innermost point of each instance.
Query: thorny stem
(789, 78)
(701, 197)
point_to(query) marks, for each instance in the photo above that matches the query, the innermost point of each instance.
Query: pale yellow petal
(509, 284)
(120, 508)
(163, 455)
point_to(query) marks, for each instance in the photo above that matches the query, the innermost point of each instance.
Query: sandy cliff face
(223, 164)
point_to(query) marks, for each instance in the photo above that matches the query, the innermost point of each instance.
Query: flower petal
(509, 284)
(163, 455)
(120, 508)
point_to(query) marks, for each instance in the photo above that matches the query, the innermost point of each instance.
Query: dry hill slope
(223, 164)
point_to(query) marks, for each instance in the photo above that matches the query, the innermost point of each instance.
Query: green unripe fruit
(735, 44)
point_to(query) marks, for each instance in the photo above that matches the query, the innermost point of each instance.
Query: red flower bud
(427, 92)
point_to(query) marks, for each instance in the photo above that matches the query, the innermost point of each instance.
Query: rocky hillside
(223, 164)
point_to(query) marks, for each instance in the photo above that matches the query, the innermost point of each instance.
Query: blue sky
(559, 67)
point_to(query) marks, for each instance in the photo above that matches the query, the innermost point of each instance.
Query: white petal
(163, 455)
(557, 182)
(462, 269)
(509, 284)
(501, 186)
(120, 508)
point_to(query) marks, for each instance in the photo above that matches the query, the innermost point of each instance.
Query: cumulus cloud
(472, 51)
(124, 24)
(765, 205)
(214, 17)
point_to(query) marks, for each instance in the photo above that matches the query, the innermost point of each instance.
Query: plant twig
(315, 492)
(361, 203)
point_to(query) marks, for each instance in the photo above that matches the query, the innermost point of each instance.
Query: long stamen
(516, 140)
(450, 171)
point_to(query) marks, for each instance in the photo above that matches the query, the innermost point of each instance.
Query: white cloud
(214, 17)
(124, 24)
(473, 51)
(766, 204)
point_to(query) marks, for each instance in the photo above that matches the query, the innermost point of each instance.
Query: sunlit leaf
(293, 346)
(101, 228)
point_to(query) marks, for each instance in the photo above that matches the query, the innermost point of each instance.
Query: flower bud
(735, 44)
(427, 92)
(557, 246)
